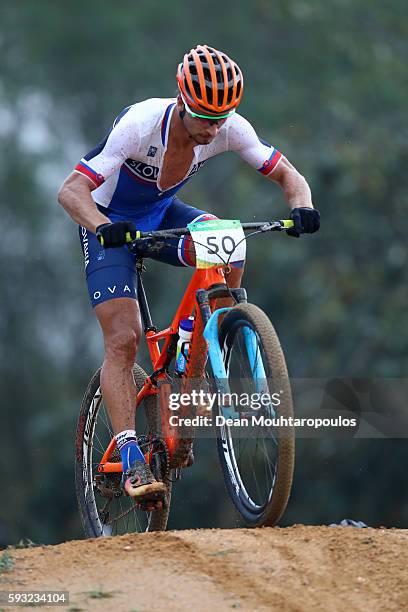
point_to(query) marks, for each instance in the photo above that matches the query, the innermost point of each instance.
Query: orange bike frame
(201, 279)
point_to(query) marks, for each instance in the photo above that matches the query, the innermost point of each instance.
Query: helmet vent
(197, 88)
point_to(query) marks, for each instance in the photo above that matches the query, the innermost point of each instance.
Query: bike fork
(211, 326)
(210, 323)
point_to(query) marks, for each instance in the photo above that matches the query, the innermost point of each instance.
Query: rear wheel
(257, 459)
(105, 510)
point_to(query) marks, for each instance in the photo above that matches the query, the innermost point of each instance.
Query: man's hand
(306, 221)
(117, 234)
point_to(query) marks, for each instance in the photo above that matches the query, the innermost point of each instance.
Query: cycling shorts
(111, 273)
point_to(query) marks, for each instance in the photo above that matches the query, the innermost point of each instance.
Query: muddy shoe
(141, 485)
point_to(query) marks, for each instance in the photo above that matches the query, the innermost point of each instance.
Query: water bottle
(185, 330)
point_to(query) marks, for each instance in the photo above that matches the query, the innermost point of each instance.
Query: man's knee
(122, 344)
(120, 323)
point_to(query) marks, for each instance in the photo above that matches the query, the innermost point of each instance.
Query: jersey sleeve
(122, 142)
(259, 154)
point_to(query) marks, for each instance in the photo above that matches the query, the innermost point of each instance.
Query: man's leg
(112, 286)
(121, 328)
(233, 278)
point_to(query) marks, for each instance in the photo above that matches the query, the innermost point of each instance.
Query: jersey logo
(150, 173)
(142, 170)
(195, 168)
(152, 151)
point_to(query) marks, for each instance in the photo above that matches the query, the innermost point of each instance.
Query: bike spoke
(105, 422)
(101, 446)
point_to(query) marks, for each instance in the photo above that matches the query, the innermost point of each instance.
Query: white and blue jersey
(126, 167)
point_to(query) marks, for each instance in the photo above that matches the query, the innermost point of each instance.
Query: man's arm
(294, 185)
(299, 198)
(272, 164)
(75, 197)
(91, 172)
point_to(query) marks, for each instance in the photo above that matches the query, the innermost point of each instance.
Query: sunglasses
(211, 117)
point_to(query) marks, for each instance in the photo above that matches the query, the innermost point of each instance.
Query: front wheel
(256, 451)
(105, 510)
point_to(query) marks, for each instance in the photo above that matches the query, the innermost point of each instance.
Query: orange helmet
(210, 83)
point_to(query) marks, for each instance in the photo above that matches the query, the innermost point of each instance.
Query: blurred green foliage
(326, 82)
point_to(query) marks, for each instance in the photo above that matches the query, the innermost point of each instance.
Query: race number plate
(218, 242)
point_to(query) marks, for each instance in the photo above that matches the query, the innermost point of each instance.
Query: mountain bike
(233, 352)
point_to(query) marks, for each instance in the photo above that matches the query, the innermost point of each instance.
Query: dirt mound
(286, 569)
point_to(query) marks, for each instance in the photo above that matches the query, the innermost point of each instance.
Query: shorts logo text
(126, 289)
(85, 245)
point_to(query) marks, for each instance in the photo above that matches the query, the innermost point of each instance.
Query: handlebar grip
(129, 237)
(287, 223)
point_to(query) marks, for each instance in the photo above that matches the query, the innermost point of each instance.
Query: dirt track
(297, 568)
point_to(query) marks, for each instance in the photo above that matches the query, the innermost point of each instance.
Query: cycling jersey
(126, 166)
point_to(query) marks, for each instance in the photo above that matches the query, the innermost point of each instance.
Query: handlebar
(263, 226)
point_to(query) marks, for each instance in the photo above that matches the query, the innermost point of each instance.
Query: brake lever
(277, 226)
(272, 226)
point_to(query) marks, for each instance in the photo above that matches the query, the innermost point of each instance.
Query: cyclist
(129, 182)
